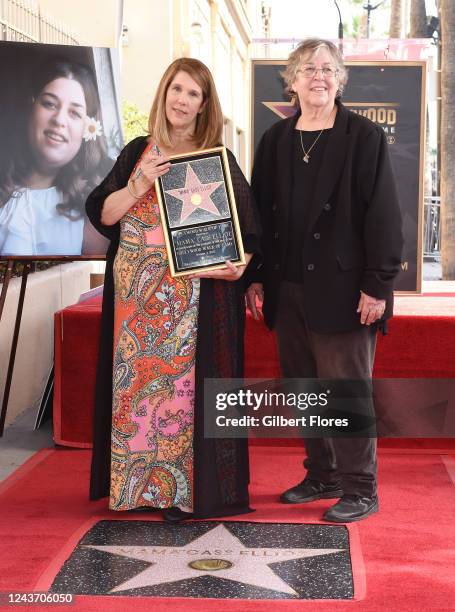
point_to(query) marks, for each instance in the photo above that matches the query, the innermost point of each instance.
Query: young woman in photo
(53, 158)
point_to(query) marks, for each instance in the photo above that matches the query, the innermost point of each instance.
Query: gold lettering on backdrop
(383, 116)
(404, 265)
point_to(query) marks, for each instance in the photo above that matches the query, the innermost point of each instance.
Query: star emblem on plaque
(199, 213)
(195, 195)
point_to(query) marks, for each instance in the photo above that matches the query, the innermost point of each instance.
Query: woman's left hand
(370, 308)
(229, 273)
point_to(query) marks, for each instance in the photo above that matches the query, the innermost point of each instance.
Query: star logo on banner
(195, 195)
(282, 109)
(217, 553)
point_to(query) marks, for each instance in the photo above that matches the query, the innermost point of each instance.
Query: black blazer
(353, 239)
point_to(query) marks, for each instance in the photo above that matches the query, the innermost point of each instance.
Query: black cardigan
(353, 239)
(220, 465)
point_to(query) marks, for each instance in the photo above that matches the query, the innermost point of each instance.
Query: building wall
(147, 49)
(218, 32)
(95, 23)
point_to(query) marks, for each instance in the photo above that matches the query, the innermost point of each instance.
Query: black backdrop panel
(392, 94)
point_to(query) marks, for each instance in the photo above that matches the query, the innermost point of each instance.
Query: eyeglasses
(308, 72)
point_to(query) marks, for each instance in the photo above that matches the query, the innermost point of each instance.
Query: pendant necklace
(306, 154)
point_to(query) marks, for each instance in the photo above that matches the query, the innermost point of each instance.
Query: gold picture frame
(199, 213)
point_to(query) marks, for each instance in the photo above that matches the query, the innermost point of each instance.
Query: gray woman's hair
(305, 51)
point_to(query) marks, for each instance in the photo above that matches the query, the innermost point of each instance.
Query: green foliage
(354, 30)
(134, 122)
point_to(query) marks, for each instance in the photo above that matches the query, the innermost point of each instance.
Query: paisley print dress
(155, 330)
(160, 339)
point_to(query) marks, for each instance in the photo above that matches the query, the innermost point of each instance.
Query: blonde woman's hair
(209, 122)
(306, 49)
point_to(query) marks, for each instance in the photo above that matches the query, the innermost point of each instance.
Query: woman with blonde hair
(162, 336)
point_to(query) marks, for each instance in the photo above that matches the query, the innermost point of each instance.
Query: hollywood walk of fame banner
(391, 94)
(199, 214)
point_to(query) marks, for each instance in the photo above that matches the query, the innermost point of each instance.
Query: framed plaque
(198, 212)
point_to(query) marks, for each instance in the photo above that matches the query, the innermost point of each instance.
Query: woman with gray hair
(331, 248)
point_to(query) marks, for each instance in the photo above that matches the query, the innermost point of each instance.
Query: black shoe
(175, 515)
(310, 490)
(352, 508)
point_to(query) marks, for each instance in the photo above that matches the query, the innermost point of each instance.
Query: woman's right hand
(151, 167)
(119, 202)
(255, 290)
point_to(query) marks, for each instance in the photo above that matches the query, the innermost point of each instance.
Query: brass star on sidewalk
(217, 553)
(195, 195)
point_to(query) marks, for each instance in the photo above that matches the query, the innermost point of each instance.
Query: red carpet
(408, 548)
(421, 344)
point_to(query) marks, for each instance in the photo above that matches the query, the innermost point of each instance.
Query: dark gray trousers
(351, 462)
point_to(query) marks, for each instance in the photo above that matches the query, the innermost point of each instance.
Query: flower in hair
(92, 129)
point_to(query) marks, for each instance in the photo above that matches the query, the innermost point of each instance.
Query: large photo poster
(61, 133)
(391, 94)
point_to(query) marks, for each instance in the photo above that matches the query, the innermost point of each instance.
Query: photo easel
(29, 263)
(20, 305)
